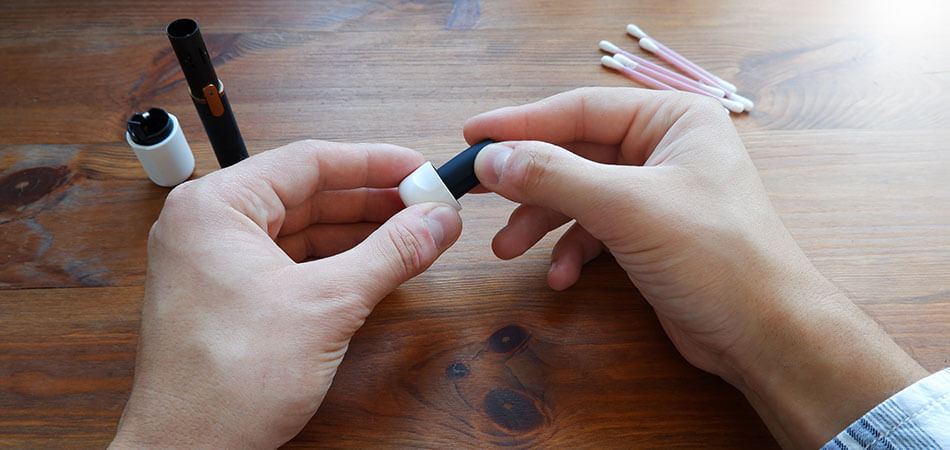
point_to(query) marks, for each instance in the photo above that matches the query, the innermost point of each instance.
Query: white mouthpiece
(746, 103)
(626, 61)
(610, 62)
(648, 45)
(729, 86)
(425, 185)
(635, 31)
(609, 47)
(731, 105)
(712, 90)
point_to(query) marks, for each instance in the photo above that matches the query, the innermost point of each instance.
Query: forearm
(822, 364)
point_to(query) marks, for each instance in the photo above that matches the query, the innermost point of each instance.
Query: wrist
(160, 425)
(815, 362)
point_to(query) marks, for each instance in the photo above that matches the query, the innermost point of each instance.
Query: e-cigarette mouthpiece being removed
(445, 185)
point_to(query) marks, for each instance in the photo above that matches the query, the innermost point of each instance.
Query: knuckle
(535, 170)
(154, 236)
(695, 105)
(182, 195)
(182, 204)
(706, 109)
(182, 199)
(408, 249)
(192, 196)
(584, 91)
(304, 144)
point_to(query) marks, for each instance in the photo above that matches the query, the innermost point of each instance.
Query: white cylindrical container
(160, 146)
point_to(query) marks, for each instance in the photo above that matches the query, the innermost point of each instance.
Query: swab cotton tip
(731, 105)
(746, 103)
(626, 61)
(635, 31)
(610, 62)
(712, 90)
(648, 45)
(725, 84)
(609, 47)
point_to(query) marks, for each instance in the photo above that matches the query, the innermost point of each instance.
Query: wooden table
(850, 135)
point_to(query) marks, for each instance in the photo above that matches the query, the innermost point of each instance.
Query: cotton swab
(648, 81)
(733, 106)
(650, 45)
(610, 47)
(656, 47)
(659, 72)
(679, 61)
(612, 63)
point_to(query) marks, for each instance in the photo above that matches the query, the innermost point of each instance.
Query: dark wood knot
(457, 370)
(507, 339)
(512, 410)
(29, 185)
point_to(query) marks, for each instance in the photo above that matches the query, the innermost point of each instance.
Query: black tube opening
(181, 28)
(192, 54)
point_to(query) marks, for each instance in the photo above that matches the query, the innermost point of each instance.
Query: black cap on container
(150, 127)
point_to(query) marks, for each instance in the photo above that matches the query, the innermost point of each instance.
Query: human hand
(241, 334)
(663, 182)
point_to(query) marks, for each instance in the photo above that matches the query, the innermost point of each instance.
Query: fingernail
(496, 155)
(438, 220)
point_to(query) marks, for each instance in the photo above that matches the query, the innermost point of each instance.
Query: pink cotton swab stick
(650, 45)
(612, 63)
(657, 47)
(680, 62)
(731, 105)
(646, 80)
(659, 72)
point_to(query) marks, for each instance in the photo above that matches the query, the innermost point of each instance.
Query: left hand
(241, 335)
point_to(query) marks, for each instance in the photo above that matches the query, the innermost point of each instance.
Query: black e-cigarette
(207, 92)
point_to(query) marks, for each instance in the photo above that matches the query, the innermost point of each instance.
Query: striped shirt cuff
(917, 417)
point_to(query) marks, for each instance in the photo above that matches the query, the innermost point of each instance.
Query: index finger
(298, 170)
(636, 119)
(266, 186)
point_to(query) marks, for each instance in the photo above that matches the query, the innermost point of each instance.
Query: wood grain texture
(850, 135)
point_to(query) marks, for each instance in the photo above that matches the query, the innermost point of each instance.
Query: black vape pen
(207, 92)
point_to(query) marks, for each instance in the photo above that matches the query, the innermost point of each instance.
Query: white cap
(425, 185)
(169, 161)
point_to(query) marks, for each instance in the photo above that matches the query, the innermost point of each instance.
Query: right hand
(662, 181)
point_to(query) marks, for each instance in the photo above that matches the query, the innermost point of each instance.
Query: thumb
(541, 174)
(403, 247)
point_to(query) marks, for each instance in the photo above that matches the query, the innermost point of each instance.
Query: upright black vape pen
(207, 92)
